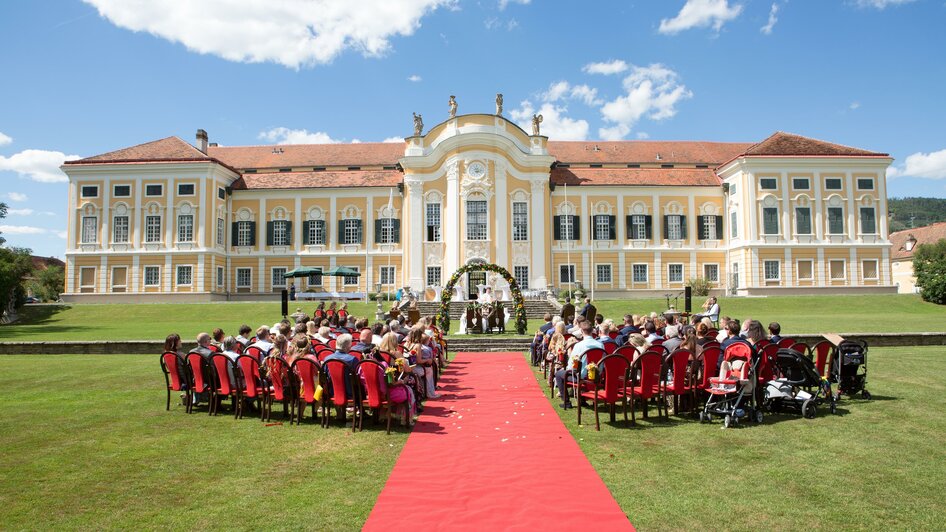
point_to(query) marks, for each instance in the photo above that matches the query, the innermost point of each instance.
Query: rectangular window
(709, 227)
(734, 275)
(120, 229)
(221, 193)
(387, 230)
(638, 227)
(711, 272)
(184, 275)
(220, 276)
(121, 191)
(639, 273)
(566, 273)
(185, 189)
(520, 221)
(868, 222)
(352, 280)
(865, 183)
(800, 183)
(602, 227)
(806, 270)
(476, 220)
(837, 270)
(90, 226)
(603, 273)
(316, 232)
(675, 227)
(770, 220)
(244, 277)
(152, 228)
(221, 232)
(772, 270)
(675, 273)
(568, 227)
(154, 190)
(185, 228)
(352, 232)
(733, 225)
(87, 279)
(803, 220)
(869, 270)
(244, 234)
(315, 279)
(433, 222)
(835, 220)
(90, 191)
(152, 275)
(732, 189)
(280, 233)
(521, 274)
(387, 275)
(433, 275)
(279, 277)
(768, 183)
(832, 183)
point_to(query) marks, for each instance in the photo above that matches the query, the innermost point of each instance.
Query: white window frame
(876, 270)
(179, 193)
(827, 221)
(316, 232)
(84, 195)
(180, 268)
(387, 230)
(389, 272)
(221, 280)
(670, 268)
(153, 234)
(82, 269)
(573, 271)
(280, 232)
(857, 183)
(567, 228)
(807, 183)
(149, 185)
(249, 277)
(778, 224)
(733, 224)
(111, 279)
(243, 234)
(675, 227)
(520, 221)
(350, 232)
(810, 220)
(274, 280)
(521, 275)
(838, 179)
(765, 270)
(321, 279)
(115, 194)
(604, 268)
(430, 277)
(120, 230)
(638, 227)
(709, 227)
(636, 268)
(185, 228)
(473, 232)
(90, 230)
(432, 218)
(157, 275)
(351, 281)
(831, 276)
(773, 179)
(860, 219)
(811, 269)
(707, 277)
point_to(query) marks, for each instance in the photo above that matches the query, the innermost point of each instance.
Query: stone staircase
(535, 308)
(479, 343)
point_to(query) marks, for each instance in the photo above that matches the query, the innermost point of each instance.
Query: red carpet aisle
(493, 455)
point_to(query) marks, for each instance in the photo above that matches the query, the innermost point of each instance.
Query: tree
(3, 214)
(929, 266)
(49, 283)
(15, 264)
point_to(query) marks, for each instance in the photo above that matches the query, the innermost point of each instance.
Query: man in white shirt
(578, 353)
(262, 339)
(712, 310)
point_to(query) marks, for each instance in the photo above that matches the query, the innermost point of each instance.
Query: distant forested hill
(915, 212)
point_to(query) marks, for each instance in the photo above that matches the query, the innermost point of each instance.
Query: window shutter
(252, 233)
(397, 231)
(322, 236)
(377, 231)
(289, 233)
(649, 226)
(341, 232)
(628, 227)
(234, 231)
(666, 227)
(270, 232)
(576, 231)
(557, 227)
(701, 228)
(305, 232)
(719, 228)
(592, 231)
(612, 232)
(361, 231)
(683, 227)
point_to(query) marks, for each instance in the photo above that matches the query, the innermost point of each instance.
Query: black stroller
(798, 386)
(849, 368)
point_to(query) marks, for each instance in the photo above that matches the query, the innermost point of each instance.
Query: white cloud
(16, 196)
(562, 89)
(924, 165)
(652, 92)
(20, 212)
(641, 135)
(283, 135)
(393, 140)
(882, 4)
(773, 18)
(5, 139)
(615, 66)
(555, 123)
(293, 33)
(38, 165)
(700, 14)
(414, 78)
(62, 234)
(854, 106)
(505, 3)
(22, 230)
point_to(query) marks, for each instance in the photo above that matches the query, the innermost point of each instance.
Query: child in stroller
(731, 394)
(797, 385)
(849, 368)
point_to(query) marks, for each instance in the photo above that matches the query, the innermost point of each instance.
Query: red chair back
(373, 373)
(197, 365)
(330, 313)
(308, 372)
(324, 354)
(802, 348)
(255, 352)
(822, 350)
(213, 348)
(594, 355)
(170, 363)
(342, 315)
(761, 344)
(646, 373)
(767, 363)
(658, 341)
(738, 350)
(319, 313)
(238, 348)
(615, 371)
(338, 372)
(613, 334)
(610, 347)
(387, 357)
(627, 351)
(710, 356)
(277, 373)
(786, 343)
(221, 364)
(677, 362)
(249, 367)
(331, 344)
(712, 332)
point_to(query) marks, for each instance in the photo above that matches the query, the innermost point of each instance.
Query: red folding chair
(608, 387)
(251, 384)
(786, 343)
(375, 398)
(610, 347)
(576, 382)
(174, 368)
(308, 372)
(676, 363)
(338, 374)
(706, 367)
(802, 348)
(224, 385)
(282, 387)
(822, 353)
(200, 375)
(256, 353)
(645, 382)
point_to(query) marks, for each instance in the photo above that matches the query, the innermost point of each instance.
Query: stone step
(485, 343)
(535, 309)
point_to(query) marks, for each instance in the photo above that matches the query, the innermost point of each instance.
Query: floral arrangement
(592, 370)
(443, 315)
(389, 374)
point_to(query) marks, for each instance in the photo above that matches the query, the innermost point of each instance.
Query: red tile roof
(788, 144)
(923, 235)
(299, 155)
(700, 177)
(343, 179)
(166, 149)
(641, 151)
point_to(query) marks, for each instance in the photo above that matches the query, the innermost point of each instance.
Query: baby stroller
(849, 368)
(731, 394)
(798, 385)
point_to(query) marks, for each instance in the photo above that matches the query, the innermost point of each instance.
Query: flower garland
(443, 315)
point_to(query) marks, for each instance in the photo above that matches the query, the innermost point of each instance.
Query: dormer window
(910, 243)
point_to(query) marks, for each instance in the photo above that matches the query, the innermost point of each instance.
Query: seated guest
(342, 348)
(708, 322)
(578, 353)
(688, 337)
(299, 328)
(203, 349)
(262, 339)
(745, 327)
(364, 344)
(172, 344)
(733, 330)
(388, 344)
(555, 357)
(672, 339)
(295, 349)
(424, 360)
(639, 342)
(229, 345)
(710, 309)
(650, 332)
(775, 332)
(628, 326)
(377, 333)
(280, 347)
(244, 337)
(311, 330)
(723, 329)
(754, 332)
(702, 334)
(217, 339)
(323, 336)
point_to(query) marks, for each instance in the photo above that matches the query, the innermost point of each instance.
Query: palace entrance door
(474, 279)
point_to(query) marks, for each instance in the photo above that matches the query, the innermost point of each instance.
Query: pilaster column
(450, 220)
(502, 233)
(537, 234)
(415, 192)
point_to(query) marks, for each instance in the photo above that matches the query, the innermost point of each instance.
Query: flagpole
(593, 276)
(568, 250)
(391, 212)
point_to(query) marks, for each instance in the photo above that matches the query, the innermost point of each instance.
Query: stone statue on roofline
(499, 104)
(536, 120)
(453, 106)
(418, 124)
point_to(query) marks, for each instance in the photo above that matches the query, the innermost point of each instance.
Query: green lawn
(87, 444)
(797, 314)
(879, 465)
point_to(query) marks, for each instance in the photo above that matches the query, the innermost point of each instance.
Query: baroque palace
(170, 221)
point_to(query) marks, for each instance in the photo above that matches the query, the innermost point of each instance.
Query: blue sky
(86, 77)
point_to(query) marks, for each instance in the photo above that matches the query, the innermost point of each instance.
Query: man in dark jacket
(568, 312)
